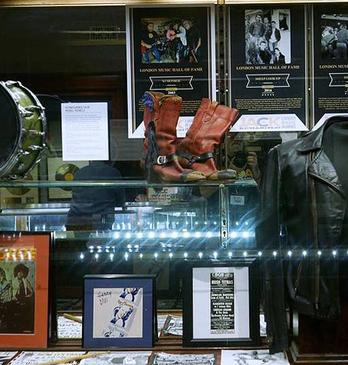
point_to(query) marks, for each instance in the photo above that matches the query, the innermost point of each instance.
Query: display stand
(324, 342)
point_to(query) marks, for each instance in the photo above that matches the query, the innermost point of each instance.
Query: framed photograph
(170, 49)
(119, 311)
(268, 67)
(221, 306)
(329, 61)
(24, 282)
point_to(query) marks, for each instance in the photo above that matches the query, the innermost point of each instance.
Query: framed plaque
(329, 61)
(24, 283)
(268, 67)
(170, 49)
(119, 311)
(221, 305)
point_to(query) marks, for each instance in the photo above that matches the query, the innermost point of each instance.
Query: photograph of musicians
(257, 30)
(149, 42)
(194, 40)
(264, 56)
(23, 300)
(278, 58)
(273, 36)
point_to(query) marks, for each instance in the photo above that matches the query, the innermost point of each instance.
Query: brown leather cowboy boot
(161, 141)
(208, 127)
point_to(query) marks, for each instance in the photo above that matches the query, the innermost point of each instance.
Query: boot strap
(192, 158)
(163, 160)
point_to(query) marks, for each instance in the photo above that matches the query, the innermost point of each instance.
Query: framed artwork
(221, 304)
(170, 49)
(24, 284)
(119, 311)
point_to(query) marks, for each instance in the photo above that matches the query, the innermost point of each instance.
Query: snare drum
(23, 130)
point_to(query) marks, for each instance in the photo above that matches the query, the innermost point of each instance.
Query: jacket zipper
(315, 237)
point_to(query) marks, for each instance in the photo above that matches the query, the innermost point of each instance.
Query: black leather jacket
(302, 207)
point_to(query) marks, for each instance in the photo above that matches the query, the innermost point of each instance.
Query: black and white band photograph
(334, 36)
(267, 36)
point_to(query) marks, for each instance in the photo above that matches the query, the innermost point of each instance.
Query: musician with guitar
(149, 42)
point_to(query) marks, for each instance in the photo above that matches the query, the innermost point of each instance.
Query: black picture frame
(189, 321)
(148, 332)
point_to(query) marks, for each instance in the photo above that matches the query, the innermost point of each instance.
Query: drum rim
(13, 158)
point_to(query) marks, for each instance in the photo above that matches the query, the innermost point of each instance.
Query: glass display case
(173, 169)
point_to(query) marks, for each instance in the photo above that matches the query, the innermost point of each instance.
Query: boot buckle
(161, 160)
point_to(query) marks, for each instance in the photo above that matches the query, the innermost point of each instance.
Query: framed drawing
(221, 305)
(24, 282)
(119, 311)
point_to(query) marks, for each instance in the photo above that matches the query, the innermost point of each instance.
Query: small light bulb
(200, 255)
(259, 253)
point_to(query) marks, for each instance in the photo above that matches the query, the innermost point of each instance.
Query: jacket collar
(321, 166)
(312, 141)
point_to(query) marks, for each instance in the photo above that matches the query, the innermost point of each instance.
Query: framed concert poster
(268, 67)
(24, 284)
(329, 61)
(119, 311)
(171, 50)
(221, 305)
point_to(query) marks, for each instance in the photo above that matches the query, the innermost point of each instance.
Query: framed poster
(119, 311)
(24, 281)
(221, 305)
(330, 61)
(268, 67)
(170, 50)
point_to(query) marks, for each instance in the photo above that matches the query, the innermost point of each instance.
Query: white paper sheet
(68, 328)
(6, 356)
(85, 131)
(252, 357)
(41, 357)
(163, 358)
(121, 358)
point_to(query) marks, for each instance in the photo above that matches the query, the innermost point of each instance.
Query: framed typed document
(221, 305)
(119, 311)
(24, 283)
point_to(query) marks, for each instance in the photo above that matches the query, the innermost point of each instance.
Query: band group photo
(170, 40)
(334, 36)
(267, 37)
(17, 297)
